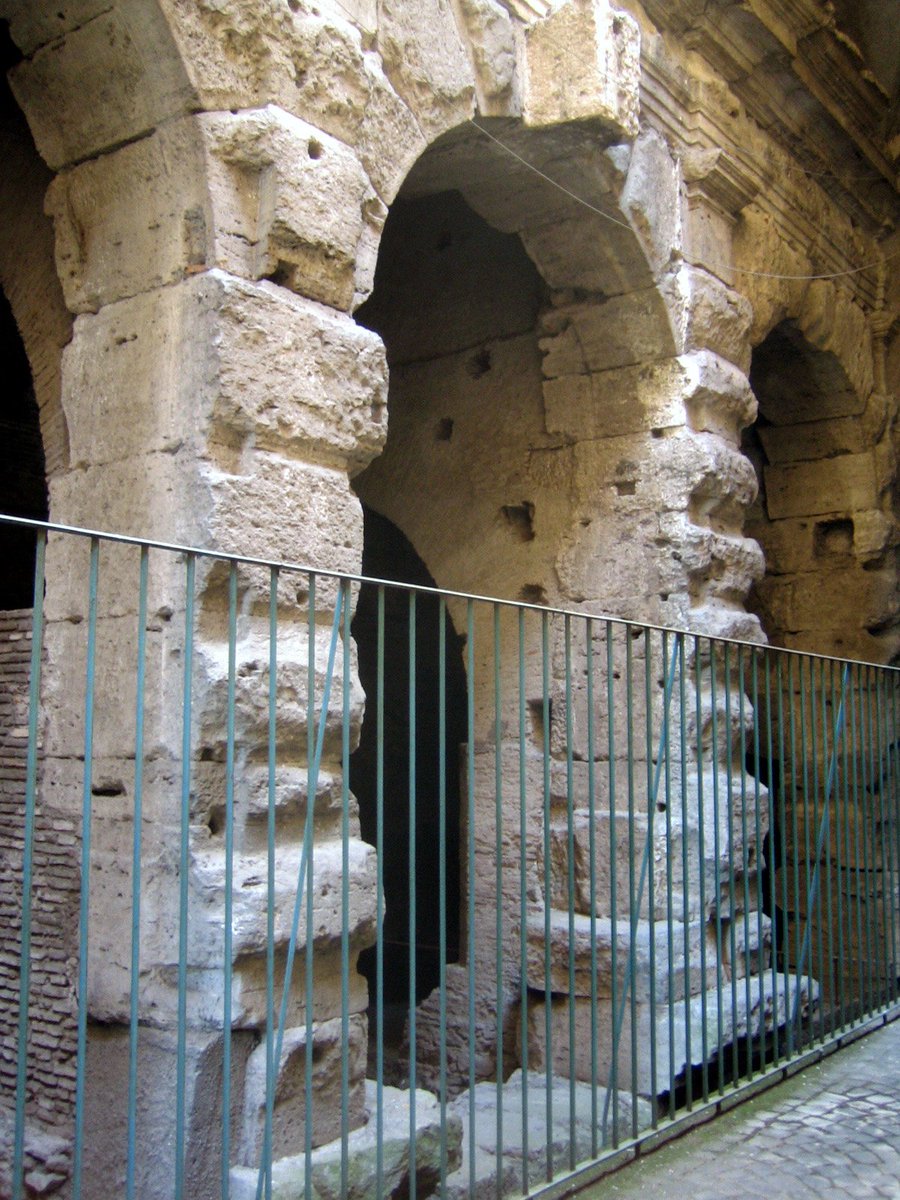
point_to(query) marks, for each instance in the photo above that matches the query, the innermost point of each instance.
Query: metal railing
(359, 888)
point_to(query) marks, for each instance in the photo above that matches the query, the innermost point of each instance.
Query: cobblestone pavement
(833, 1130)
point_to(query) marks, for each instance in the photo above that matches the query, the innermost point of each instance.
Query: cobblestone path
(833, 1130)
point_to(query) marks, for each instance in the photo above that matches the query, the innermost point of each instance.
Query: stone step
(289, 1173)
(523, 1103)
(692, 1039)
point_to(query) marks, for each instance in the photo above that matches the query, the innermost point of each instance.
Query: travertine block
(197, 360)
(620, 401)
(708, 315)
(623, 330)
(426, 61)
(582, 62)
(328, 1050)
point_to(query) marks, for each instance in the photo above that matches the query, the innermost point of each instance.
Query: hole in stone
(207, 754)
(315, 149)
(294, 5)
(479, 364)
(520, 518)
(444, 431)
(302, 595)
(663, 596)
(834, 537)
(214, 824)
(281, 275)
(111, 788)
(536, 716)
(626, 487)
(657, 433)
(533, 593)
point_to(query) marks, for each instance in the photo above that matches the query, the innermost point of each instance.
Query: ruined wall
(222, 176)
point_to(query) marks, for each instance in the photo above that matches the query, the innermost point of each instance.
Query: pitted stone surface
(832, 1130)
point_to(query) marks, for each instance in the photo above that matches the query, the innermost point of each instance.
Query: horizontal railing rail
(315, 884)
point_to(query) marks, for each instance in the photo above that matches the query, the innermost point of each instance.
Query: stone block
(812, 440)
(492, 44)
(582, 62)
(106, 1109)
(433, 1137)
(759, 1003)
(708, 315)
(196, 361)
(624, 330)
(613, 403)
(718, 395)
(578, 948)
(426, 61)
(571, 1137)
(288, 203)
(650, 198)
(107, 81)
(329, 1051)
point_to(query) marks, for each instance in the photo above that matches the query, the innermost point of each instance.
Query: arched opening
(23, 488)
(424, 790)
(523, 432)
(817, 491)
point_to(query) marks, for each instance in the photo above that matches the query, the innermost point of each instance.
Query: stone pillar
(217, 392)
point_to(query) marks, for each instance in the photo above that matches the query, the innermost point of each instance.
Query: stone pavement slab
(832, 1130)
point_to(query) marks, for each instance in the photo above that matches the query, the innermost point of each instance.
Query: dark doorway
(23, 487)
(388, 554)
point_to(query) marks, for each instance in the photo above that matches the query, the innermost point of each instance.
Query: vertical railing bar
(701, 853)
(137, 822)
(816, 919)
(838, 967)
(183, 864)
(345, 887)
(523, 898)
(756, 709)
(84, 899)
(34, 703)
(685, 872)
(770, 864)
(470, 873)
(442, 885)
(861, 938)
(793, 675)
(822, 832)
(548, 894)
(717, 864)
(612, 1086)
(868, 776)
(878, 828)
(634, 908)
(745, 851)
(634, 916)
(307, 854)
(592, 878)
(570, 878)
(379, 917)
(885, 789)
(413, 893)
(651, 897)
(831, 756)
(893, 842)
(228, 882)
(783, 844)
(271, 801)
(498, 892)
(846, 881)
(732, 885)
(670, 910)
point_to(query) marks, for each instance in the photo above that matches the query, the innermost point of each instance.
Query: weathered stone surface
(835, 486)
(197, 361)
(572, 1133)
(759, 1003)
(650, 199)
(426, 61)
(708, 315)
(288, 1174)
(616, 402)
(718, 395)
(259, 194)
(582, 62)
(492, 46)
(329, 1052)
(579, 947)
(108, 80)
(627, 329)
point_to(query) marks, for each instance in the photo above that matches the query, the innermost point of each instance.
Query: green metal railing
(384, 889)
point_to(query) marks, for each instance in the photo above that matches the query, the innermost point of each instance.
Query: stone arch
(820, 515)
(537, 408)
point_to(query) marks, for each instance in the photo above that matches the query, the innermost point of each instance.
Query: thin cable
(624, 225)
